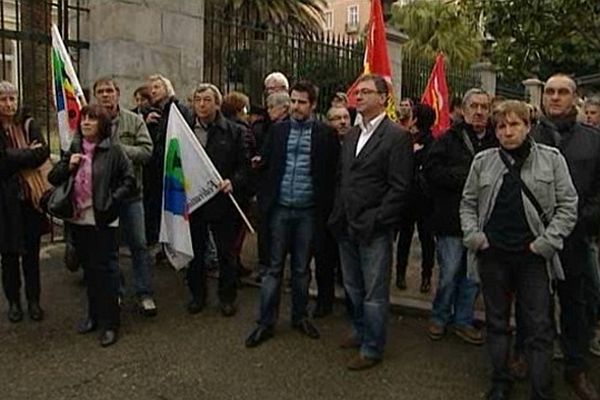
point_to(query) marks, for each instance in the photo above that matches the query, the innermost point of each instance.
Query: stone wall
(131, 39)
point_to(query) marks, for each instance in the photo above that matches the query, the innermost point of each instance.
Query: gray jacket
(131, 133)
(546, 174)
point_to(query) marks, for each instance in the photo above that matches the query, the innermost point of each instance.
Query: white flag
(189, 181)
(68, 95)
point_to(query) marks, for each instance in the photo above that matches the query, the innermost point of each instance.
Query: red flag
(436, 96)
(376, 59)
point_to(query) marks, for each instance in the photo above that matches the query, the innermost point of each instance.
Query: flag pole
(68, 65)
(212, 166)
(246, 221)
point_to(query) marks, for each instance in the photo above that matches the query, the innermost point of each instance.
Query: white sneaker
(148, 306)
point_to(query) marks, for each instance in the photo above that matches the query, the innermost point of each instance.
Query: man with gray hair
(224, 144)
(276, 82)
(446, 171)
(591, 109)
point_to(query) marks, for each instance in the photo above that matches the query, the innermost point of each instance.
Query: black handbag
(58, 202)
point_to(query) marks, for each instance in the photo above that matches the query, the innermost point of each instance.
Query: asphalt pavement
(175, 356)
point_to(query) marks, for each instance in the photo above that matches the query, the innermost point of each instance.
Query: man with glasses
(373, 183)
(446, 171)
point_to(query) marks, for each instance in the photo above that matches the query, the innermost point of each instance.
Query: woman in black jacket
(22, 151)
(102, 177)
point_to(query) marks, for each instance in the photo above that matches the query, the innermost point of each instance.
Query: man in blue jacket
(300, 159)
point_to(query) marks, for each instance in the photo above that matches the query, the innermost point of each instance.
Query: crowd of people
(508, 198)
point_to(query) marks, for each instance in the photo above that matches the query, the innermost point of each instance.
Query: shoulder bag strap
(515, 174)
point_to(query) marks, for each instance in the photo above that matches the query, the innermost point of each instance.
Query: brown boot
(360, 362)
(583, 388)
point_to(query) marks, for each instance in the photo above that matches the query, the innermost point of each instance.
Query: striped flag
(68, 95)
(190, 180)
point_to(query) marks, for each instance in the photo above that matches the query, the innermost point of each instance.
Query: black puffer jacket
(11, 162)
(580, 144)
(446, 169)
(113, 180)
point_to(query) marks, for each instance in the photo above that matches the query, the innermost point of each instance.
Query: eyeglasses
(365, 92)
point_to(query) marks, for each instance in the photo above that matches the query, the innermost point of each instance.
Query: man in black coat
(223, 141)
(446, 170)
(376, 168)
(580, 144)
(300, 158)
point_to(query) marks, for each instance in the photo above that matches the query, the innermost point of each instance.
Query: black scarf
(565, 123)
(521, 153)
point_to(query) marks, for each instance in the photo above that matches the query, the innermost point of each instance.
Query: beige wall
(339, 8)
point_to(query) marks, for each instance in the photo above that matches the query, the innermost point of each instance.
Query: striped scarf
(34, 181)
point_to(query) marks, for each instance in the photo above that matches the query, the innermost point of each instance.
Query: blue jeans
(133, 231)
(291, 230)
(455, 296)
(366, 273)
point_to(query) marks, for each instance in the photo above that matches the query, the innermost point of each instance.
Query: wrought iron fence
(238, 55)
(415, 74)
(25, 44)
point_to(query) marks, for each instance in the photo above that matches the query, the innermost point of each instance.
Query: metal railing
(25, 44)
(238, 55)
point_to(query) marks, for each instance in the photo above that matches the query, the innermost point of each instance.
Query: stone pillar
(487, 75)
(132, 39)
(395, 40)
(534, 87)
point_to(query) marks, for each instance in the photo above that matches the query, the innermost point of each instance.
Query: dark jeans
(291, 232)
(326, 261)
(152, 203)
(502, 275)
(366, 269)
(575, 328)
(30, 260)
(97, 250)
(405, 235)
(262, 236)
(224, 233)
(131, 222)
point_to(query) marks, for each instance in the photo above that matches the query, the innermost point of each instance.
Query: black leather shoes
(15, 312)
(307, 328)
(259, 335)
(108, 338)
(195, 306)
(228, 309)
(86, 326)
(498, 393)
(35, 311)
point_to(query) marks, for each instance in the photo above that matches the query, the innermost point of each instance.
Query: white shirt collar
(367, 127)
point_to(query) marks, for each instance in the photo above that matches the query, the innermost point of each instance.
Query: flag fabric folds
(436, 96)
(190, 180)
(68, 95)
(376, 59)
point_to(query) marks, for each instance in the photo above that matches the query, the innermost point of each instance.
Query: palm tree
(437, 25)
(305, 15)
